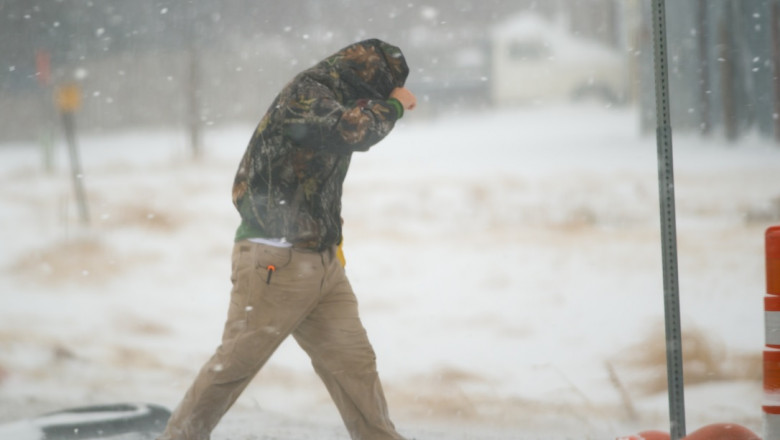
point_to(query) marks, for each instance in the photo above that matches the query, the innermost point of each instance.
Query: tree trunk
(726, 57)
(775, 32)
(193, 103)
(704, 69)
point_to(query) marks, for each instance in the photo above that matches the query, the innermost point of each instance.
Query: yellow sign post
(69, 101)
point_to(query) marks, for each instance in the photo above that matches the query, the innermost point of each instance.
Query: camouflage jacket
(289, 181)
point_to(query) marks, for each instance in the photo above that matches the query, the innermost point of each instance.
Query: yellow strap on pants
(340, 253)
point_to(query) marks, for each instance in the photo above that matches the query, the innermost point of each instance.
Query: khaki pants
(308, 295)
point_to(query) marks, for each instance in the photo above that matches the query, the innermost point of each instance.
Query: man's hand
(405, 97)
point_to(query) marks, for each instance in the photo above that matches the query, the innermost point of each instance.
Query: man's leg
(262, 314)
(342, 356)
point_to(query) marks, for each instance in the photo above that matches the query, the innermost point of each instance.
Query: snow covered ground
(507, 264)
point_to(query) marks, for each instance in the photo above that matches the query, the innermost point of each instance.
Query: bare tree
(775, 32)
(704, 68)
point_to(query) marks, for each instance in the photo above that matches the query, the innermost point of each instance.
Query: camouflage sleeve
(318, 120)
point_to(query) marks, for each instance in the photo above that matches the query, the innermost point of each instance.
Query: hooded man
(286, 274)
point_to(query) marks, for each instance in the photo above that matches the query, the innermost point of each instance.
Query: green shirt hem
(246, 231)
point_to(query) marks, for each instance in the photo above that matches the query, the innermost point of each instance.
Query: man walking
(287, 279)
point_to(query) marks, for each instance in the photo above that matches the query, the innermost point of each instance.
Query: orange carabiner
(271, 270)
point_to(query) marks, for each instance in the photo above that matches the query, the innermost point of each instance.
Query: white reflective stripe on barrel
(771, 422)
(772, 327)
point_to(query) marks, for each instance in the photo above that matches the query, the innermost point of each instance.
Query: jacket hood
(371, 68)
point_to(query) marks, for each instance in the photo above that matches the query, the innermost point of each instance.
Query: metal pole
(674, 362)
(68, 121)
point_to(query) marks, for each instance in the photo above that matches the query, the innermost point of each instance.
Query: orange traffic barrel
(724, 431)
(772, 376)
(772, 245)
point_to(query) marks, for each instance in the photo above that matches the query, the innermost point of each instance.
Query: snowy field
(508, 267)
